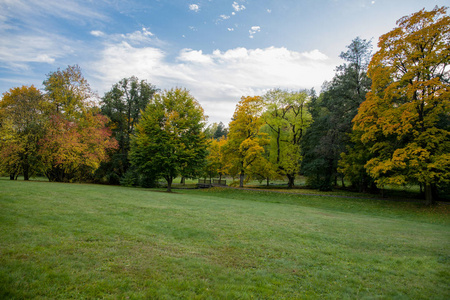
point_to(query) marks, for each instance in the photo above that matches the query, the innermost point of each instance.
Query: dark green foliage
(169, 140)
(216, 131)
(332, 113)
(123, 105)
(221, 131)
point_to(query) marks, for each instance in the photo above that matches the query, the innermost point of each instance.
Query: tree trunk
(267, 181)
(169, 183)
(183, 180)
(428, 194)
(291, 181)
(241, 179)
(26, 172)
(11, 176)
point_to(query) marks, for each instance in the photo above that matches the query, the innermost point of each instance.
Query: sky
(220, 50)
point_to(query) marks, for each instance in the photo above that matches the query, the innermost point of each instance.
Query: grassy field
(89, 241)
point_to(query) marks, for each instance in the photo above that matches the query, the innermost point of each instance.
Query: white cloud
(97, 33)
(269, 11)
(230, 29)
(218, 79)
(16, 52)
(26, 31)
(253, 30)
(194, 56)
(237, 7)
(194, 7)
(224, 17)
(138, 37)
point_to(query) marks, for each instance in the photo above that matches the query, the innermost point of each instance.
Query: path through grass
(88, 241)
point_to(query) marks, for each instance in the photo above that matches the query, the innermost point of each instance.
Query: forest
(383, 120)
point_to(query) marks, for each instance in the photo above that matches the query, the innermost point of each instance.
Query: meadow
(63, 241)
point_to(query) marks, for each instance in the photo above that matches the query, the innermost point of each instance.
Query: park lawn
(92, 241)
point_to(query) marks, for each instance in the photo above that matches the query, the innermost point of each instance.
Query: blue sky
(218, 49)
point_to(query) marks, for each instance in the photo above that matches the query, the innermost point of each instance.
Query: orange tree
(76, 139)
(405, 117)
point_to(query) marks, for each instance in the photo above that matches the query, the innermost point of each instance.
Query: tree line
(383, 119)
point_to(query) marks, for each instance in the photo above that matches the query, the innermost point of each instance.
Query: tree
(76, 139)
(220, 132)
(74, 150)
(216, 159)
(333, 111)
(216, 131)
(169, 138)
(245, 141)
(287, 118)
(405, 118)
(68, 92)
(123, 105)
(21, 126)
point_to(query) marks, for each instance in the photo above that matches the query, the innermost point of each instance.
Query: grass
(89, 241)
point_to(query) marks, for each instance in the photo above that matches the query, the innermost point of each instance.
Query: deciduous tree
(68, 92)
(287, 118)
(72, 151)
(169, 138)
(76, 139)
(405, 117)
(123, 105)
(22, 117)
(245, 141)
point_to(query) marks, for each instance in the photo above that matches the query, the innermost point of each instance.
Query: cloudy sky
(218, 49)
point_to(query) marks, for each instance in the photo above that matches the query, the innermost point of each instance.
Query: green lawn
(89, 241)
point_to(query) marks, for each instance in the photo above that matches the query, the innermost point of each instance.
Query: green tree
(216, 131)
(123, 105)
(287, 118)
(245, 141)
(169, 138)
(332, 113)
(21, 127)
(405, 118)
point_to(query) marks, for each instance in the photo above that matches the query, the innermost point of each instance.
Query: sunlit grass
(90, 241)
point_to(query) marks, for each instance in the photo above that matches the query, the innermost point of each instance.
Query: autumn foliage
(405, 118)
(375, 124)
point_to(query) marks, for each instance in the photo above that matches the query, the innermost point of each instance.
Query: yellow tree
(405, 118)
(21, 127)
(216, 160)
(245, 142)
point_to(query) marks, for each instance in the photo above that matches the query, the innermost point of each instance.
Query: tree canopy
(123, 105)
(21, 126)
(405, 117)
(169, 138)
(245, 141)
(287, 119)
